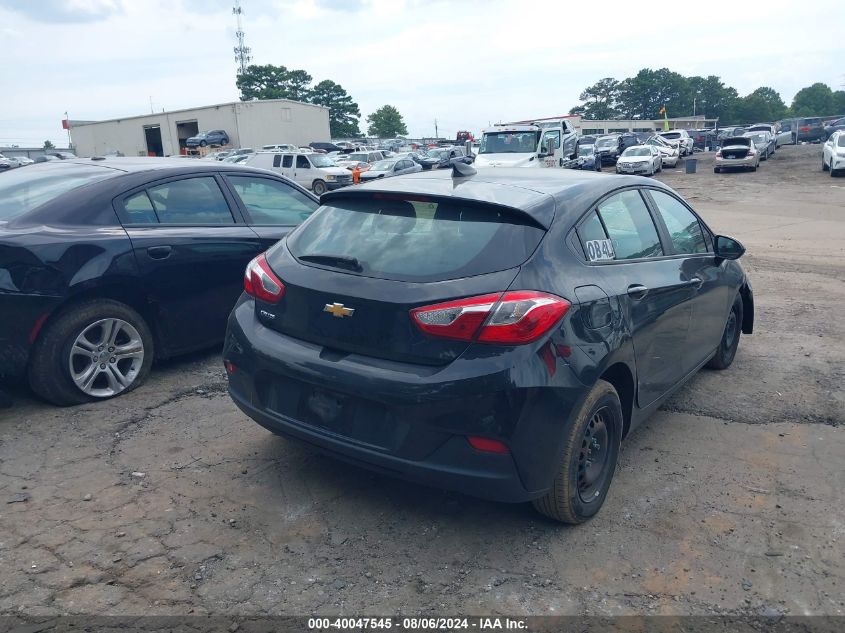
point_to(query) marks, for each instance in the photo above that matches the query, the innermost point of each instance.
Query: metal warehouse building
(248, 124)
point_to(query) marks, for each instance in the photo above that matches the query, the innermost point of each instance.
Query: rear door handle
(159, 252)
(637, 291)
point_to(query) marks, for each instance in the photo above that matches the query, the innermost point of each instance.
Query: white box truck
(540, 144)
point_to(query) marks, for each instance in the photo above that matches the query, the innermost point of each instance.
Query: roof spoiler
(462, 170)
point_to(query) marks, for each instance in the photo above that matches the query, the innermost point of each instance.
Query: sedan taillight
(511, 318)
(261, 282)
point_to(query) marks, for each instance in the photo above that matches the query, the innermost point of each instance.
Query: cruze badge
(338, 310)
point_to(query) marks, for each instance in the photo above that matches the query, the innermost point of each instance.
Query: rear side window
(412, 240)
(22, 190)
(287, 161)
(272, 202)
(277, 160)
(190, 201)
(684, 228)
(628, 224)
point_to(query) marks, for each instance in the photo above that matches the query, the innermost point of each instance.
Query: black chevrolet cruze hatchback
(497, 333)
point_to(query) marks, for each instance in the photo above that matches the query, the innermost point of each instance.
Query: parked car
(499, 334)
(316, 172)
(833, 126)
(325, 147)
(685, 142)
(390, 167)
(44, 158)
(640, 159)
(352, 165)
(737, 152)
(702, 139)
(371, 157)
(280, 147)
(135, 259)
(446, 157)
(61, 155)
(810, 129)
(669, 154)
(6, 163)
(415, 156)
(211, 137)
(236, 158)
(587, 158)
(607, 149)
(764, 142)
(774, 130)
(788, 131)
(833, 153)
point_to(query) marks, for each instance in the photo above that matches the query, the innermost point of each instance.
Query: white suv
(685, 142)
(833, 154)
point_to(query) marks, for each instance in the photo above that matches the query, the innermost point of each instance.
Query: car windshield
(384, 165)
(25, 189)
(508, 143)
(411, 240)
(607, 141)
(636, 151)
(321, 160)
(586, 150)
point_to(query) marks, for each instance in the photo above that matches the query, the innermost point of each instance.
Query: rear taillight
(511, 318)
(719, 154)
(804, 129)
(261, 282)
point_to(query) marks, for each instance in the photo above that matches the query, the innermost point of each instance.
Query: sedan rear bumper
(405, 420)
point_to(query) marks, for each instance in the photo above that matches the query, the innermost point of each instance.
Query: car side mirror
(728, 248)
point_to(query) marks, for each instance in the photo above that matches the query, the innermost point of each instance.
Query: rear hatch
(736, 147)
(355, 269)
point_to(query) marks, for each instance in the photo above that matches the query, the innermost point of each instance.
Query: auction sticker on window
(598, 250)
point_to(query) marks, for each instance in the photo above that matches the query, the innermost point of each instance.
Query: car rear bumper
(727, 163)
(22, 317)
(405, 420)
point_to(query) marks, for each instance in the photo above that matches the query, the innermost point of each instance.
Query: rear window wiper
(338, 261)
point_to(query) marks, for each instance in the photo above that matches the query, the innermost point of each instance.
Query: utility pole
(151, 105)
(436, 135)
(242, 51)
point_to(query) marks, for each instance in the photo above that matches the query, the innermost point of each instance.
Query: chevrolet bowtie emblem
(338, 310)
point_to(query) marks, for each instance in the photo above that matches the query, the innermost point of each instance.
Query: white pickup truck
(540, 144)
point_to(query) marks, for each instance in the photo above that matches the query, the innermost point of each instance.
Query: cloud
(65, 11)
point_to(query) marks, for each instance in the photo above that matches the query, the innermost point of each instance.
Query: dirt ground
(170, 501)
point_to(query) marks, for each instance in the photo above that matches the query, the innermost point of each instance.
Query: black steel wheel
(729, 343)
(590, 450)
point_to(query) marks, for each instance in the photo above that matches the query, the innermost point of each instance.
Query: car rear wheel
(824, 164)
(203, 143)
(92, 351)
(730, 338)
(590, 451)
(717, 170)
(318, 187)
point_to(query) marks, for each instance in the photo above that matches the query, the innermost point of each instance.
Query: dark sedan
(496, 332)
(108, 264)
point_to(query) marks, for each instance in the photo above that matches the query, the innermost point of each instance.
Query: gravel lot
(170, 501)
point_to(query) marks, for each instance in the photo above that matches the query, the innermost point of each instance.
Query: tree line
(278, 82)
(643, 95)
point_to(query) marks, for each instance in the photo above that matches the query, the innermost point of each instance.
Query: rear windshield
(22, 190)
(412, 240)
(673, 135)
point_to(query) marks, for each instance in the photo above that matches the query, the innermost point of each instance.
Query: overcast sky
(465, 62)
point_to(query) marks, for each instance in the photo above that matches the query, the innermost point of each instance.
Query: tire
(730, 338)
(318, 187)
(598, 419)
(824, 164)
(754, 168)
(52, 358)
(224, 141)
(203, 143)
(717, 170)
(831, 169)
